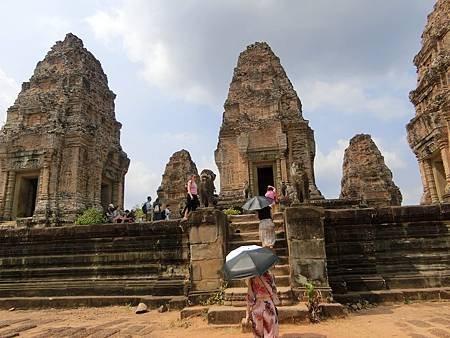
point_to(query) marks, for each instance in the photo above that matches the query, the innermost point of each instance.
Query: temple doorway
(439, 178)
(26, 196)
(265, 178)
(106, 194)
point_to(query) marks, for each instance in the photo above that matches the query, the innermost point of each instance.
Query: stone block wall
(95, 260)
(388, 248)
(208, 234)
(306, 243)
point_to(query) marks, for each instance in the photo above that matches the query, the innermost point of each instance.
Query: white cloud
(189, 49)
(140, 182)
(54, 23)
(9, 89)
(329, 165)
(140, 26)
(411, 194)
(392, 153)
(328, 169)
(353, 97)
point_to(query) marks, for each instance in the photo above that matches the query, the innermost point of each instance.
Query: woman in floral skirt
(261, 306)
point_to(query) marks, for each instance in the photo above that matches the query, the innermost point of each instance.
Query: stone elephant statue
(207, 188)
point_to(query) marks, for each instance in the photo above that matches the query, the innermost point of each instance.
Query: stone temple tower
(60, 148)
(429, 130)
(263, 132)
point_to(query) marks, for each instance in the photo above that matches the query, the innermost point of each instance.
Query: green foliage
(138, 212)
(216, 298)
(310, 291)
(313, 299)
(231, 211)
(90, 216)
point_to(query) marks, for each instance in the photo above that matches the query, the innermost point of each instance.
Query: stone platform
(114, 260)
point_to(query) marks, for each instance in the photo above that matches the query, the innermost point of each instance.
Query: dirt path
(431, 319)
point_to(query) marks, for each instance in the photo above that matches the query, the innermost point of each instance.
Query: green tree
(90, 216)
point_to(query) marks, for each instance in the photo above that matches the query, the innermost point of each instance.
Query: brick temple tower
(428, 131)
(263, 131)
(60, 148)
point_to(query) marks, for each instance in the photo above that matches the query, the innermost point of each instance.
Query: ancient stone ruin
(60, 148)
(263, 133)
(59, 134)
(174, 180)
(365, 175)
(428, 131)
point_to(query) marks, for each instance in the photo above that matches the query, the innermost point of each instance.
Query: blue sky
(170, 64)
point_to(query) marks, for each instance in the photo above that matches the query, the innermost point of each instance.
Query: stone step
(238, 296)
(92, 287)
(280, 280)
(220, 315)
(254, 235)
(152, 302)
(395, 295)
(279, 243)
(84, 259)
(93, 245)
(79, 271)
(283, 259)
(277, 216)
(251, 226)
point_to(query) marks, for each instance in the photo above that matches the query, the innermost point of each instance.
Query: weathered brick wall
(109, 259)
(388, 248)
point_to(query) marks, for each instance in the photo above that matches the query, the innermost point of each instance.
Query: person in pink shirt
(271, 193)
(192, 201)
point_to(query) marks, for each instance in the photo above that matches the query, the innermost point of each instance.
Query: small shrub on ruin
(90, 216)
(217, 298)
(313, 299)
(138, 213)
(231, 211)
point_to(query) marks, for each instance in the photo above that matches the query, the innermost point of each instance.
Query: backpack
(144, 208)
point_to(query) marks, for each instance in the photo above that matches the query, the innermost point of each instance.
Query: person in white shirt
(167, 212)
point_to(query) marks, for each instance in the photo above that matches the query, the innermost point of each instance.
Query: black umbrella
(248, 261)
(257, 203)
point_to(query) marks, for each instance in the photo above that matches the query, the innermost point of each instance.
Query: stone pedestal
(207, 240)
(306, 243)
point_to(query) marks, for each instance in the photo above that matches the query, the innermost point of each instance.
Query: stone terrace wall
(96, 260)
(388, 248)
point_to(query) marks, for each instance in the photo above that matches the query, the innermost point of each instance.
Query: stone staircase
(243, 230)
(226, 202)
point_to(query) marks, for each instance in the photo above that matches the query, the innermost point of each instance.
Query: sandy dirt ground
(431, 319)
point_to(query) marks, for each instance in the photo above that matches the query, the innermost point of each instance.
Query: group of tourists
(155, 211)
(115, 215)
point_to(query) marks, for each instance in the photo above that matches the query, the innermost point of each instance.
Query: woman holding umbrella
(261, 306)
(253, 262)
(266, 226)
